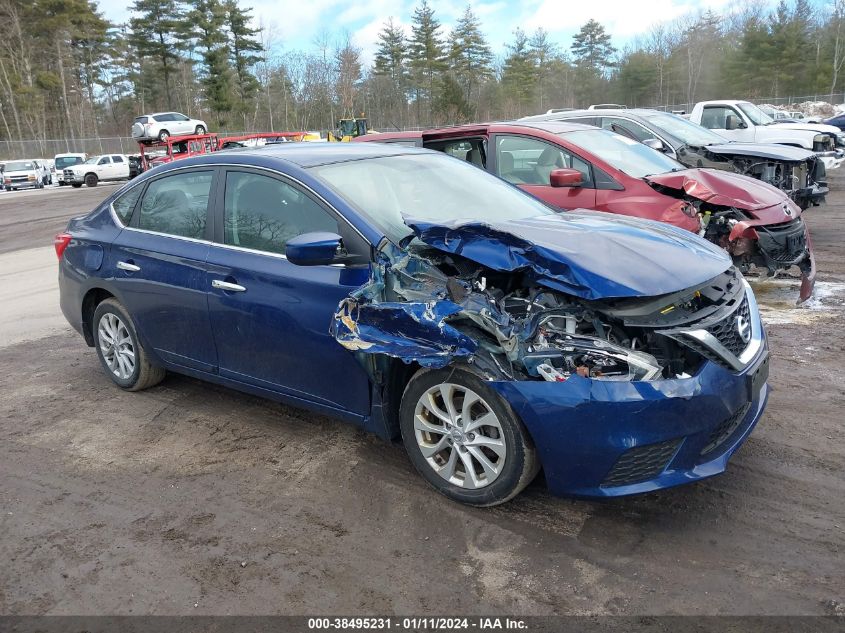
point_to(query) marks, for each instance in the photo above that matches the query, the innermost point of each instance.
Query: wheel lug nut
(470, 436)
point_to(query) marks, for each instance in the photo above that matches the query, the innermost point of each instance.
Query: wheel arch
(93, 297)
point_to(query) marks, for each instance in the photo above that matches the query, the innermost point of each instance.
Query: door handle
(132, 268)
(225, 285)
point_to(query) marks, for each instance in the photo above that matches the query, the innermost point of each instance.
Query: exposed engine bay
(802, 182)
(426, 306)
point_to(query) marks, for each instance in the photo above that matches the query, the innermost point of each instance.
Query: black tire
(145, 374)
(91, 180)
(76, 185)
(200, 130)
(520, 464)
(163, 135)
(62, 183)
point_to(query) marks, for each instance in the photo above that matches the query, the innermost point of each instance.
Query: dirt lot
(193, 499)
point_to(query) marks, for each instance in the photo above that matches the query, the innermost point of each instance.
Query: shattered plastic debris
(517, 302)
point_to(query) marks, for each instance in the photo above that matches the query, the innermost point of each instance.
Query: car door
(270, 317)
(159, 266)
(527, 162)
(119, 168)
(104, 167)
(181, 123)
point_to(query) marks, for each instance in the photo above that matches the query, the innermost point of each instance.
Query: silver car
(161, 125)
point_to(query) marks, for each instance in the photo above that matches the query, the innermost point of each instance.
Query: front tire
(464, 438)
(120, 353)
(76, 185)
(91, 180)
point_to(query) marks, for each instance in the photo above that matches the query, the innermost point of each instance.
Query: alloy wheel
(116, 346)
(460, 436)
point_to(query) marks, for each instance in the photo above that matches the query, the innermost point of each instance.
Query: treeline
(67, 72)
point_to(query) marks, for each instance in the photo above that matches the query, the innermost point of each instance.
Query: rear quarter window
(125, 203)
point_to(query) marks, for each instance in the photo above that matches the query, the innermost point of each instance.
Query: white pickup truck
(745, 122)
(97, 169)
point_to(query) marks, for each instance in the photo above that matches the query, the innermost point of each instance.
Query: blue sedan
(418, 297)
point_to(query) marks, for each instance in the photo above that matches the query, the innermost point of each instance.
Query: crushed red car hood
(721, 188)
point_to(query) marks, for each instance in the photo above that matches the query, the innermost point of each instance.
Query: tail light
(60, 243)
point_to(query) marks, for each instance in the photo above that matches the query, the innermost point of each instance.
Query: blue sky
(297, 24)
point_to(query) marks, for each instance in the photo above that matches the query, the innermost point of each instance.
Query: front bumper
(71, 177)
(609, 439)
(22, 184)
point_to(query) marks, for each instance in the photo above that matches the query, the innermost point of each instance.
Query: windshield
(757, 116)
(67, 161)
(626, 155)
(92, 161)
(20, 165)
(685, 131)
(431, 187)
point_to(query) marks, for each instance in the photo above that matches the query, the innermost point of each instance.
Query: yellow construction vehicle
(347, 129)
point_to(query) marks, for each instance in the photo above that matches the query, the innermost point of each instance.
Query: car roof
(308, 154)
(547, 125)
(636, 112)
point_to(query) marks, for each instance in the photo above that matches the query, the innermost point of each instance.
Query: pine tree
(243, 47)
(426, 55)
(518, 71)
(545, 55)
(592, 48)
(391, 56)
(469, 55)
(158, 37)
(208, 18)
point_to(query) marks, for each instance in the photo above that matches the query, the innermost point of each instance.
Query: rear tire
(200, 130)
(120, 352)
(91, 180)
(163, 135)
(453, 422)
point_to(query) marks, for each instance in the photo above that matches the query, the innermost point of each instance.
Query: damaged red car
(575, 166)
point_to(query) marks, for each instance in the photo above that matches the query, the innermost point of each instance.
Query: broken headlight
(589, 357)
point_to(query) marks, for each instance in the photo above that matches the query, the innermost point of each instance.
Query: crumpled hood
(721, 188)
(762, 150)
(588, 254)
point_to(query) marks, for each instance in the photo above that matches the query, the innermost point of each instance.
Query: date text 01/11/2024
(417, 624)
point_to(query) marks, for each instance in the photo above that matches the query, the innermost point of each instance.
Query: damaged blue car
(420, 297)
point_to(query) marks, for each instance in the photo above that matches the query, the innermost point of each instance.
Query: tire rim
(116, 346)
(460, 436)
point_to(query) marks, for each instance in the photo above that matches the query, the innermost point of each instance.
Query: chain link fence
(47, 148)
(833, 99)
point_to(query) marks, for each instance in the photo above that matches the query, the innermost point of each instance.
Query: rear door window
(177, 204)
(117, 159)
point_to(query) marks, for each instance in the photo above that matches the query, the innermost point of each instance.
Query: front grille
(722, 432)
(785, 243)
(727, 333)
(641, 463)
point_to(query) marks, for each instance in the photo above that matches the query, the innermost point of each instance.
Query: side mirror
(654, 143)
(315, 249)
(733, 122)
(565, 178)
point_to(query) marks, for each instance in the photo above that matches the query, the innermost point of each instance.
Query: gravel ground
(194, 499)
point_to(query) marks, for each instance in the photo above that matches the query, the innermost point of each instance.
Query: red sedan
(577, 166)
